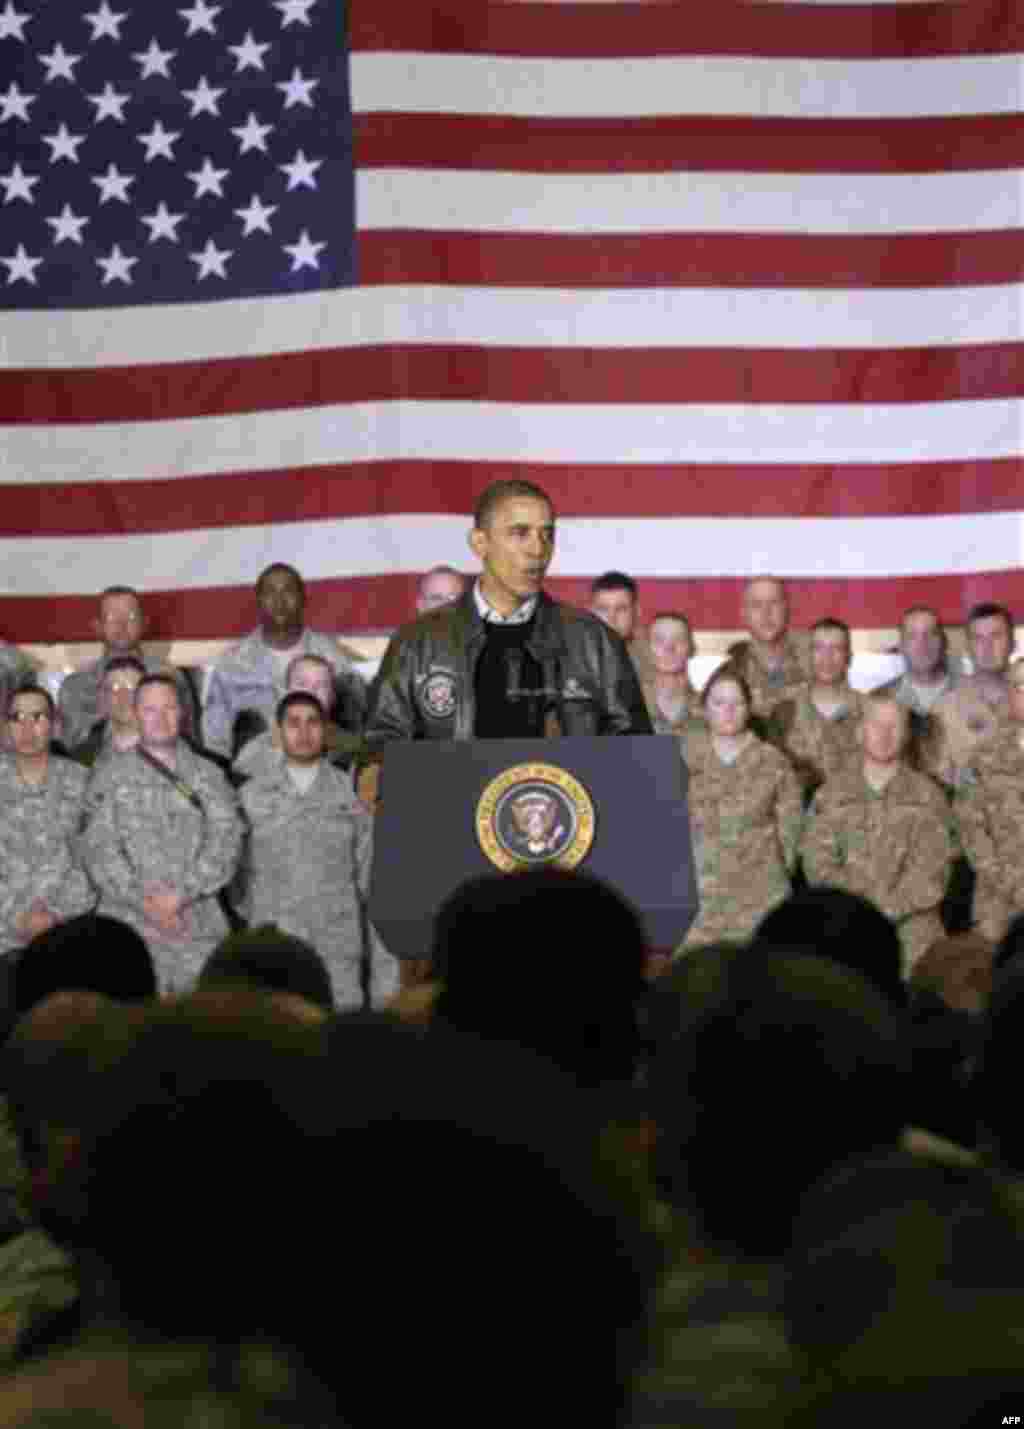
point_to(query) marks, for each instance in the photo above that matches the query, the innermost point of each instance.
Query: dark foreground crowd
(778, 1185)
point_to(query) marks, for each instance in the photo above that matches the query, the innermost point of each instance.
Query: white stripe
(789, 318)
(878, 547)
(599, 204)
(415, 83)
(633, 435)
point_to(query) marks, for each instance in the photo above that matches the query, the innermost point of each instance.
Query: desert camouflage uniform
(140, 830)
(37, 845)
(247, 678)
(80, 698)
(819, 745)
(307, 869)
(963, 721)
(894, 848)
(746, 819)
(770, 689)
(990, 808)
(690, 710)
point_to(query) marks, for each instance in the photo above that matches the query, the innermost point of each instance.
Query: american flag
(739, 285)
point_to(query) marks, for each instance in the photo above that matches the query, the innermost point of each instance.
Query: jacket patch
(437, 694)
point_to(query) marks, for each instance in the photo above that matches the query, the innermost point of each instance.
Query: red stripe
(952, 27)
(439, 488)
(691, 260)
(683, 144)
(383, 602)
(501, 374)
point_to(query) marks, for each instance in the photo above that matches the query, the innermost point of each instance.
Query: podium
(453, 809)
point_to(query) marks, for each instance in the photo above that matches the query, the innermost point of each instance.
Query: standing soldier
(881, 829)
(975, 710)
(672, 702)
(41, 881)
(821, 737)
(307, 864)
(313, 675)
(770, 660)
(162, 838)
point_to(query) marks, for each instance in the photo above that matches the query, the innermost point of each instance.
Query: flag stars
(154, 61)
(200, 17)
(113, 185)
(294, 12)
(158, 142)
(208, 180)
(212, 261)
(256, 217)
(21, 267)
(12, 23)
(297, 90)
(105, 21)
(67, 226)
(162, 223)
(63, 145)
(252, 135)
(203, 99)
(109, 104)
(248, 55)
(117, 267)
(18, 184)
(300, 172)
(59, 64)
(14, 104)
(305, 253)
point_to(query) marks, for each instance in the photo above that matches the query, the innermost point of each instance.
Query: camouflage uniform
(894, 848)
(247, 678)
(819, 745)
(37, 853)
(140, 830)
(990, 807)
(307, 869)
(690, 710)
(770, 688)
(262, 755)
(80, 698)
(963, 722)
(746, 819)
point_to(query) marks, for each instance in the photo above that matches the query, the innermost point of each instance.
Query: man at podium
(506, 661)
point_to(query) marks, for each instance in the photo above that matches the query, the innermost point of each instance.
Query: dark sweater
(497, 716)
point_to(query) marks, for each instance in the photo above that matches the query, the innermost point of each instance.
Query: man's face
(516, 549)
(158, 712)
(616, 608)
(921, 642)
(437, 589)
(830, 656)
(29, 725)
(671, 647)
(765, 609)
(120, 623)
(726, 709)
(990, 643)
(314, 679)
(884, 732)
(281, 600)
(118, 700)
(302, 734)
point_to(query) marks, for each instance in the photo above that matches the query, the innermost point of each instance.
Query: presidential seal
(437, 694)
(535, 814)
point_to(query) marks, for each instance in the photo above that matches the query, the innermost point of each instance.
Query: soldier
(615, 600)
(923, 647)
(163, 837)
(881, 829)
(307, 863)
(249, 678)
(821, 735)
(974, 711)
(770, 660)
(313, 675)
(120, 627)
(745, 813)
(42, 882)
(672, 702)
(441, 585)
(117, 730)
(990, 807)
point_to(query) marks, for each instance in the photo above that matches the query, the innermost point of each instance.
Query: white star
(208, 179)
(297, 10)
(248, 55)
(105, 21)
(200, 17)
(113, 185)
(305, 253)
(297, 90)
(12, 23)
(118, 266)
(158, 142)
(300, 172)
(15, 104)
(18, 185)
(59, 64)
(252, 135)
(63, 145)
(21, 266)
(203, 98)
(109, 104)
(67, 226)
(162, 223)
(256, 216)
(211, 260)
(154, 61)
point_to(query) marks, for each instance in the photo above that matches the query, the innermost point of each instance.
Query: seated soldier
(881, 829)
(41, 796)
(313, 675)
(821, 734)
(672, 702)
(307, 863)
(770, 661)
(117, 729)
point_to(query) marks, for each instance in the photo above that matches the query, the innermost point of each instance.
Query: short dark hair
(499, 492)
(298, 697)
(90, 953)
(832, 622)
(727, 672)
(159, 677)
(31, 689)
(273, 961)
(985, 610)
(614, 580)
(279, 566)
(119, 590)
(125, 662)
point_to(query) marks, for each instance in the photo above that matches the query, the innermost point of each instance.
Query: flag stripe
(265, 498)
